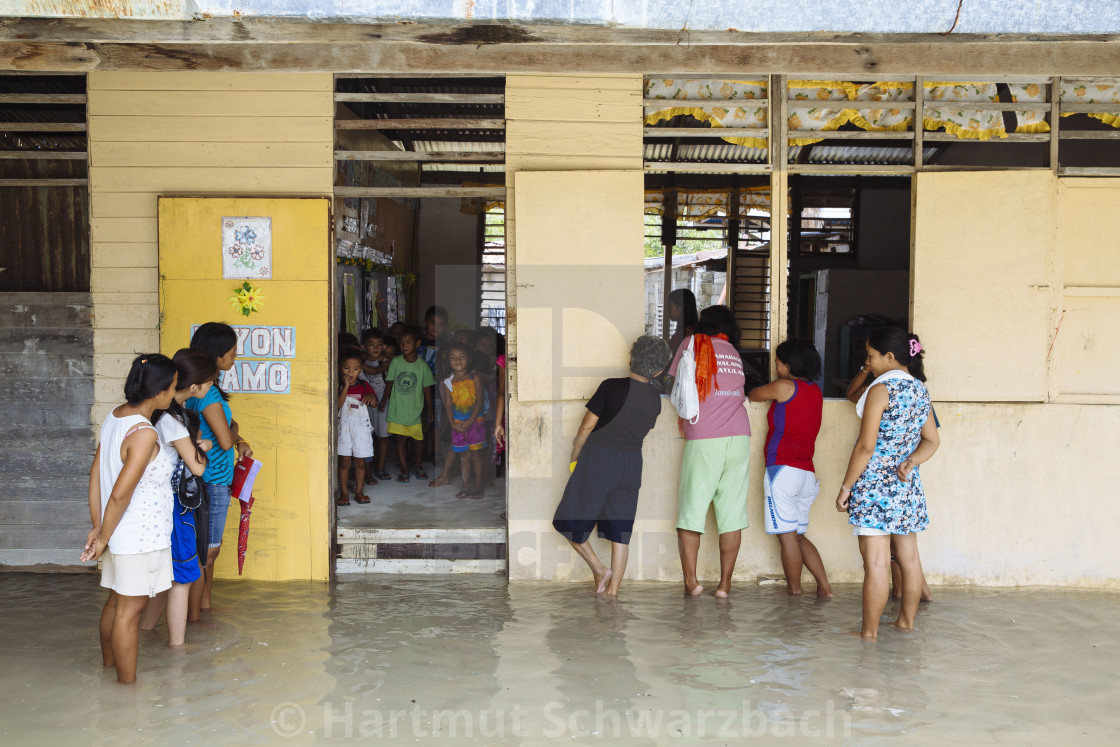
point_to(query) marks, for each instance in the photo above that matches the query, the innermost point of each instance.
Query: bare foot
(602, 579)
(859, 634)
(825, 593)
(793, 592)
(693, 591)
(908, 628)
(722, 593)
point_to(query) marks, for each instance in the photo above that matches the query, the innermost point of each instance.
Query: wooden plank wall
(46, 357)
(191, 133)
(565, 123)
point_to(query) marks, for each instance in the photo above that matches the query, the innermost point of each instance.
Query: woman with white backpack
(710, 391)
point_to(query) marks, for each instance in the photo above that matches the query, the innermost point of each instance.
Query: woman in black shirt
(607, 463)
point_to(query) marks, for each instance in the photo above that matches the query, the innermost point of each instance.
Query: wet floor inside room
(472, 659)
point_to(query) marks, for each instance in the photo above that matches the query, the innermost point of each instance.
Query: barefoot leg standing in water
(876, 552)
(728, 551)
(688, 543)
(906, 552)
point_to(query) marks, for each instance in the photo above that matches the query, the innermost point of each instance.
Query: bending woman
(882, 490)
(217, 426)
(130, 507)
(717, 449)
(607, 463)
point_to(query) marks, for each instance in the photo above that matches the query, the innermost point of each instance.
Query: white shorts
(790, 493)
(142, 574)
(869, 532)
(355, 438)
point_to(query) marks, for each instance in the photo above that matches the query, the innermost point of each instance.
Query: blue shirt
(219, 470)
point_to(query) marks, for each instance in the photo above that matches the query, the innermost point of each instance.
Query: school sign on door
(270, 371)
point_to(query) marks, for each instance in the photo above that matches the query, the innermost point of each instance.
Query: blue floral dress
(879, 499)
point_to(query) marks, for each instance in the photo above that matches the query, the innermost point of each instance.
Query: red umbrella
(244, 473)
(243, 532)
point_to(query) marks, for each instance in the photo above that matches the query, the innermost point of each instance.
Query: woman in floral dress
(882, 491)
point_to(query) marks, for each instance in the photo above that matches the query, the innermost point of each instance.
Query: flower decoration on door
(246, 299)
(247, 248)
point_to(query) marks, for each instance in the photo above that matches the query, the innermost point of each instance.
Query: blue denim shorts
(219, 508)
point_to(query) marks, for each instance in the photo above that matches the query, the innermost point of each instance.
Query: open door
(209, 247)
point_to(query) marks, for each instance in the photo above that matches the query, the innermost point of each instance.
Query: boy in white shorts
(791, 484)
(355, 433)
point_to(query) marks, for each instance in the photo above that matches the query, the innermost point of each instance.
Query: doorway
(420, 252)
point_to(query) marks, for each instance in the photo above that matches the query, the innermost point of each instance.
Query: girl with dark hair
(178, 428)
(217, 426)
(681, 308)
(882, 490)
(130, 507)
(716, 450)
(790, 483)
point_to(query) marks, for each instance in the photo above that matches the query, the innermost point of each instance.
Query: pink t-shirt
(722, 413)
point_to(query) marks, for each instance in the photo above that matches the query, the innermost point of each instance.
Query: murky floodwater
(466, 659)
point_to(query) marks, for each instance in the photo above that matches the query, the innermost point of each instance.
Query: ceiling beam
(82, 45)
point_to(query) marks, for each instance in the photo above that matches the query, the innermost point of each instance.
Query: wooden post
(779, 214)
(668, 240)
(1055, 116)
(733, 228)
(919, 122)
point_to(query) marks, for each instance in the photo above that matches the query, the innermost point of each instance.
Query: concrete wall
(46, 357)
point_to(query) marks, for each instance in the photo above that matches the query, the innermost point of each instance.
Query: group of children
(436, 393)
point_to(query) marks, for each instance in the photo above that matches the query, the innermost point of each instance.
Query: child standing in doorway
(408, 395)
(355, 435)
(791, 483)
(433, 337)
(374, 366)
(463, 395)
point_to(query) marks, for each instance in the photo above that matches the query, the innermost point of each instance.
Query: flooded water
(472, 660)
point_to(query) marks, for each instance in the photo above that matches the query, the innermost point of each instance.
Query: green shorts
(714, 472)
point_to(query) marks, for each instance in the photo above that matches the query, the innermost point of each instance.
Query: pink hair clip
(915, 348)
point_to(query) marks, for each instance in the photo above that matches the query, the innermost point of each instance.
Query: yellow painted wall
(154, 134)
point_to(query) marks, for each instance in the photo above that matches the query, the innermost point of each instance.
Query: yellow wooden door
(278, 388)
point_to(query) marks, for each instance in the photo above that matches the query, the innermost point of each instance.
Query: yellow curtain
(687, 97)
(1104, 91)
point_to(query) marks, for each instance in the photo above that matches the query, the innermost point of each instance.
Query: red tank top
(791, 437)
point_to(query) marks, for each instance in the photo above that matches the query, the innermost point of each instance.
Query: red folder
(244, 473)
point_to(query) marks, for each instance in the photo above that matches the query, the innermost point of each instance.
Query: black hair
(412, 331)
(461, 347)
(215, 338)
(371, 334)
(684, 298)
(194, 367)
(347, 340)
(391, 342)
(802, 358)
(347, 354)
(435, 311)
(499, 343)
(898, 341)
(151, 373)
(718, 320)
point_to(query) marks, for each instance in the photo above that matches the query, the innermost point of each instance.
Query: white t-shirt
(171, 430)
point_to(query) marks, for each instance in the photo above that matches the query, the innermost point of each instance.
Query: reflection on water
(469, 659)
